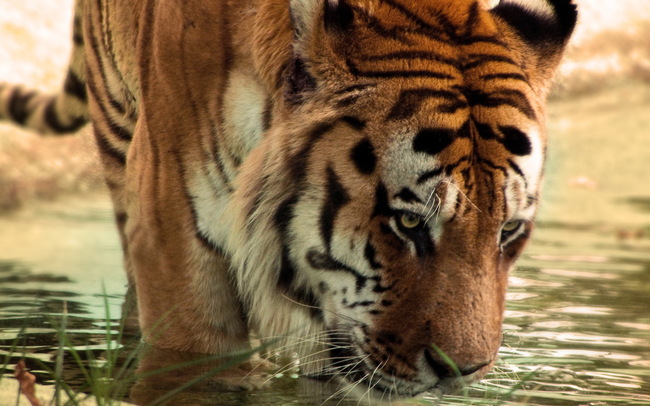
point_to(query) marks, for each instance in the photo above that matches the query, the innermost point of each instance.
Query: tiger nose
(446, 369)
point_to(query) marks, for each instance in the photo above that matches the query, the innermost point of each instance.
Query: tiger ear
(543, 27)
(337, 14)
(310, 19)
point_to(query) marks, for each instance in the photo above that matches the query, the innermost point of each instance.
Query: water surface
(577, 328)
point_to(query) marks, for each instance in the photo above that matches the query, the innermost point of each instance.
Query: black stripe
(200, 235)
(498, 76)
(502, 97)
(425, 28)
(433, 141)
(52, 120)
(17, 103)
(325, 262)
(452, 107)
(212, 156)
(347, 100)
(287, 274)
(409, 101)
(430, 174)
(370, 253)
(488, 185)
(515, 141)
(408, 196)
(399, 34)
(302, 295)
(336, 198)
(472, 19)
(298, 163)
(205, 240)
(387, 74)
(77, 32)
(363, 156)
(119, 131)
(493, 166)
(423, 55)
(97, 52)
(518, 171)
(397, 241)
(423, 244)
(363, 303)
(121, 219)
(78, 40)
(113, 185)
(530, 200)
(354, 122)
(480, 38)
(476, 60)
(448, 169)
(106, 148)
(217, 154)
(445, 25)
(381, 202)
(74, 86)
(449, 29)
(267, 114)
(284, 215)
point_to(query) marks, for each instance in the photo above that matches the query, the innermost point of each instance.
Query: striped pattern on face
(419, 173)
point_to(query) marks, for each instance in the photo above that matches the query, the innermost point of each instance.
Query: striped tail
(61, 113)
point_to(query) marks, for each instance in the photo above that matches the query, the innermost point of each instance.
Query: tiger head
(397, 184)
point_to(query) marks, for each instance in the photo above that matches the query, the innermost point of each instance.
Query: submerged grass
(107, 379)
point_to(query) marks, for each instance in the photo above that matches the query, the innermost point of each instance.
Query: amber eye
(410, 220)
(509, 229)
(511, 226)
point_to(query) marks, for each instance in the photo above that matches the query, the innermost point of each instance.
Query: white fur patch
(540, 7)
(304, 12)
(244, 103)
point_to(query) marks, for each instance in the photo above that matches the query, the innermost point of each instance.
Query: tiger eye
(511, 226)
(410, 220)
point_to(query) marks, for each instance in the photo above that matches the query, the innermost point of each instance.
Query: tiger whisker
(344, 317)
(435, 209)
(433, 192)
(350, 385)
(370, 385)
(462, 194)
(353, 387)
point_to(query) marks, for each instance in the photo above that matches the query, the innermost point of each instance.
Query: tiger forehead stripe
(363, 156)
(440, 29)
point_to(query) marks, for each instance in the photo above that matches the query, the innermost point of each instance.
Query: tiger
(360, 174)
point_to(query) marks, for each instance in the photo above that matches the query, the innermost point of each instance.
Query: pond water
(577, 328)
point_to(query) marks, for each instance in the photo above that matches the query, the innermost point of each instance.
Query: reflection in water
(577, 330)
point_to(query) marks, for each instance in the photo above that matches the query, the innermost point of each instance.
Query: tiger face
(400, 185)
